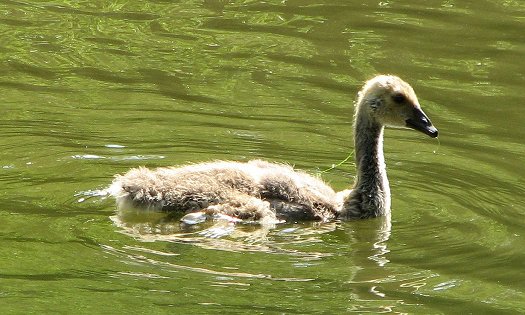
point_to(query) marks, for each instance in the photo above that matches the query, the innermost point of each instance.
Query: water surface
(90, 89)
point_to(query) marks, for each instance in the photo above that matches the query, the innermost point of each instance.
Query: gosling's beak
(419, 121)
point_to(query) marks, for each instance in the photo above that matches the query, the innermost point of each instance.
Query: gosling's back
(248, 190)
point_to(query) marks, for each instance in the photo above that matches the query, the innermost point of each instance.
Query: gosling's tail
(130, 194)
(122, 197)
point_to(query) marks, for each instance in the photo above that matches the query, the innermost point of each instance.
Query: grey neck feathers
(370, 196)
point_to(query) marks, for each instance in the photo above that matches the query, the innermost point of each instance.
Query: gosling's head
(390, 101)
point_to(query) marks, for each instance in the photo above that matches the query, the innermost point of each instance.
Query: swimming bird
(260, 191)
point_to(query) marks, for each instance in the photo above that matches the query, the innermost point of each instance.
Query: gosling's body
(250, 191)
(263, 191)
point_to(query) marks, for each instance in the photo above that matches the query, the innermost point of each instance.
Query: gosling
(260, 191)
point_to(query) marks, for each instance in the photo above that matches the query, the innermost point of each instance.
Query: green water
(93, 88)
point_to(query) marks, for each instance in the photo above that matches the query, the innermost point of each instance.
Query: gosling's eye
(399, 98)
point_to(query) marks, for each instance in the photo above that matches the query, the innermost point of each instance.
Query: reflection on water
(290, 241)
(91, 89)
(157, 226)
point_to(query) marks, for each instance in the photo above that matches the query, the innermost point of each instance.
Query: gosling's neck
(370, 196)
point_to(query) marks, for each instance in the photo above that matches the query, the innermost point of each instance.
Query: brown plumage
(268, 192)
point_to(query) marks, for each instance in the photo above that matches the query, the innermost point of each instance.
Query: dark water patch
(233, 24)
(158, 29)
(105, 75)
(48, 276)
(173, 94)
(35, 70)
(22, 23)
(35, 87)
(329, 84)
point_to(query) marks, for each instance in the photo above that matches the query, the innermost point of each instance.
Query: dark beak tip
(433, 132)
(426, 127)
